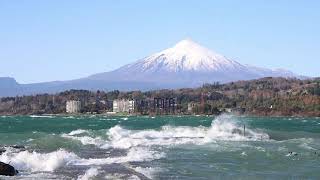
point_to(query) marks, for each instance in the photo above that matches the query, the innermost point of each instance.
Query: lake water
(166, 147)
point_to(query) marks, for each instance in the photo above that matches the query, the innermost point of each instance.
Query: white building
(191, 107)
(123, 105)
(73, 106)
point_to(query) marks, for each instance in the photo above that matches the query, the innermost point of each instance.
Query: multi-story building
(123, 105)
(164, 105)
(73, 106)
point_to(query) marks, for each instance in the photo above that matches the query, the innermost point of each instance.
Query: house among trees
(288, 97)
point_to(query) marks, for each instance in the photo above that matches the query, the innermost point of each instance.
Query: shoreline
(163, 115)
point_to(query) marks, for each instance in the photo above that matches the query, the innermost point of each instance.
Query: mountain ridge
(189, 59)
(186, 64)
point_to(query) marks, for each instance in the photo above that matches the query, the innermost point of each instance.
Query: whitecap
(68, 117)
(136, 154)
(147, 171)
(41, 116)
(89, 174)
(307, 146)
(85, 140)
(222, 128)
(35, 161)
(78, 131)
(29, 140)
(244, 154)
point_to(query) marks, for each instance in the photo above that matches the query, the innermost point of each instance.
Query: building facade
(191, 107)
(73, 106)
(123, 105)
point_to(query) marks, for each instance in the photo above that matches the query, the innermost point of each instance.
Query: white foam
(38, 175)
(34, 161)
(30, 139)
(41, 116)
(118, 176)
(306, 146)
(244, 154)
(143, 145)
(78, 131)
(223, 128)
(86, 140)
(136, 154)
(89, 174)
(147, 171)
(68, 117)
(292, 154)
(133, 177)
(226, 128)
(48, 162)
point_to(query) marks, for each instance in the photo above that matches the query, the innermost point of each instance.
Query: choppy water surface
(187, 147)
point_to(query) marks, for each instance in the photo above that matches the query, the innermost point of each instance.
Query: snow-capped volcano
(187, 56)
(187, 64)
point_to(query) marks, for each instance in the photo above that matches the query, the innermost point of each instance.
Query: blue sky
(61, 40)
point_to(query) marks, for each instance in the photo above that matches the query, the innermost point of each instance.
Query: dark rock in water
(18, 147)
(2, 151)
(7, 170)
(237, 131)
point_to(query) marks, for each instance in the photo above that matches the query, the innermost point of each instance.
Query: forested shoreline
(263, 97)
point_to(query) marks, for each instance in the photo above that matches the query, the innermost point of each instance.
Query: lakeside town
(266, 96)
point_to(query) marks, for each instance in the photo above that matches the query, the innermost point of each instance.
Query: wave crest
(225, 128)
(35, 161)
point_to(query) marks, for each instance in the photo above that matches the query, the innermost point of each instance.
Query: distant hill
(187, 64)
(8, 86)
(266, 97)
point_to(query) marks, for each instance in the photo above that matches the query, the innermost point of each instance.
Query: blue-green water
(167, 147)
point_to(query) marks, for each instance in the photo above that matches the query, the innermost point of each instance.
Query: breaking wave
(34, 161)
(223, 128)
(89, 174)
(139, 145)
(49, 162)
(41, 116)
(136, 154)
(85, 139)
(78, 131)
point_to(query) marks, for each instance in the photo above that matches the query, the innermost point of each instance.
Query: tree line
(265, 96)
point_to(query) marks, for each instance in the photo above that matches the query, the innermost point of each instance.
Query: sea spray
(35, 161)
(162, 148)
(223, 128)
(228, 128)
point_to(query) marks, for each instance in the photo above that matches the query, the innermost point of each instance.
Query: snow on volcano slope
(187, 64)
